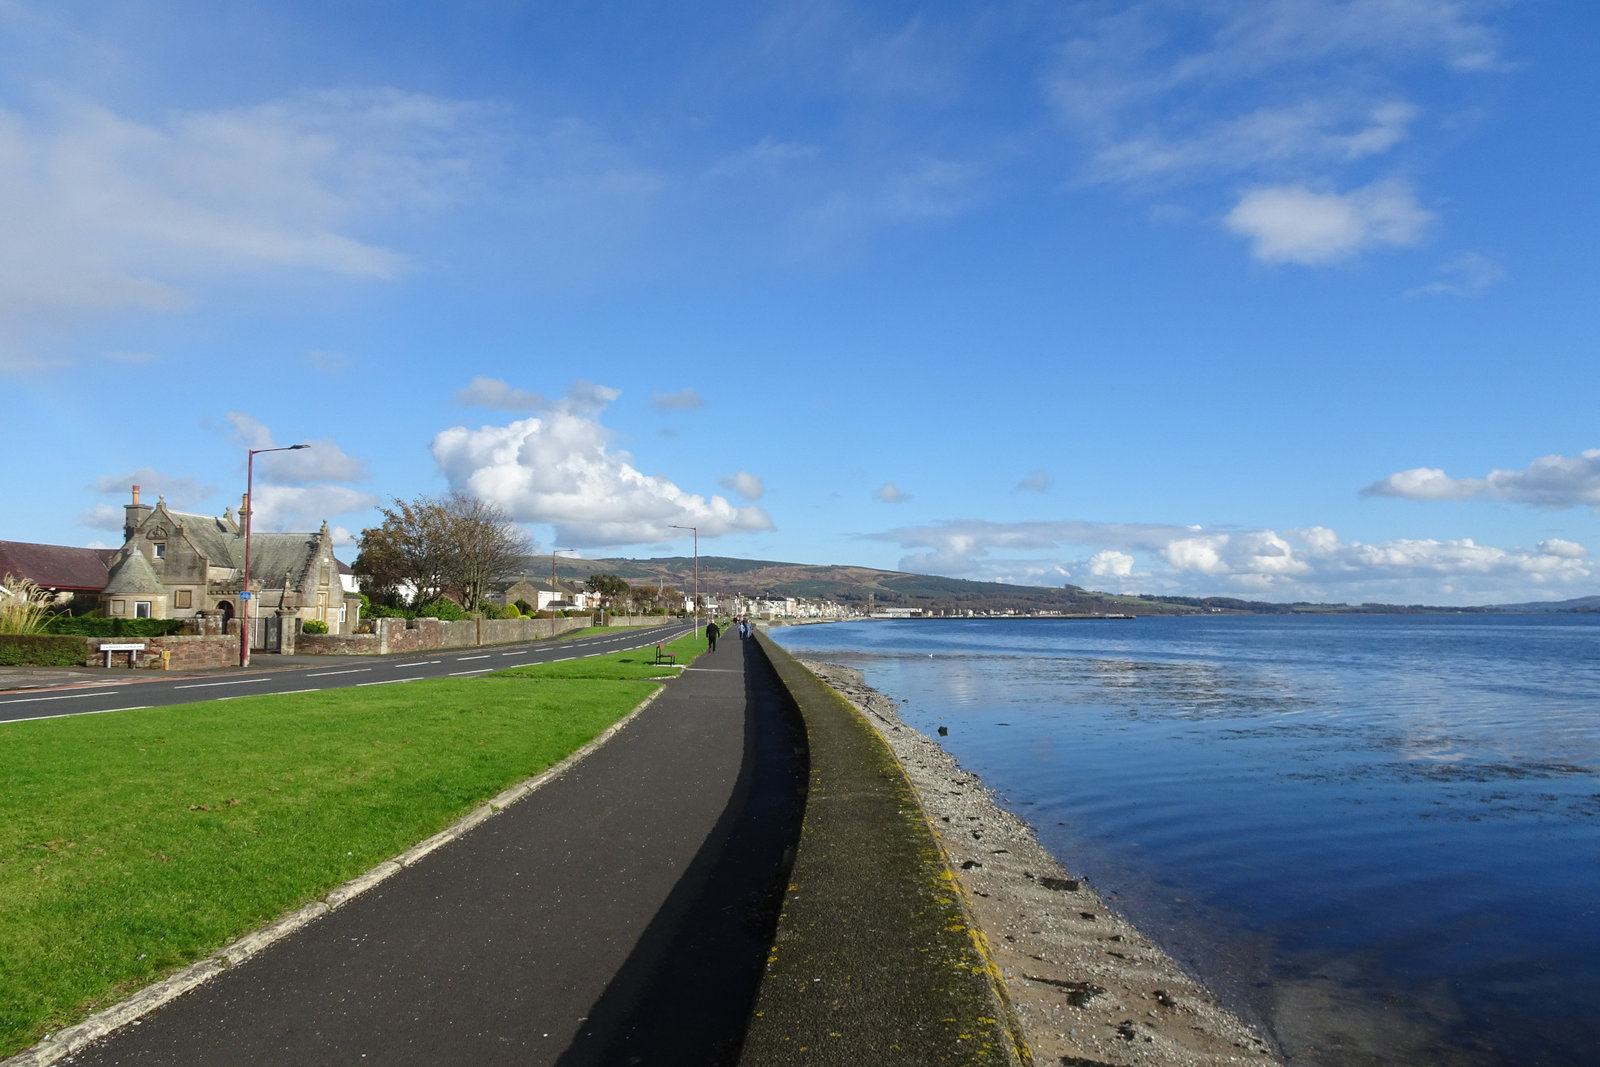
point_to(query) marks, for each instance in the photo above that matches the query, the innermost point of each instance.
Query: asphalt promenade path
(619, 914)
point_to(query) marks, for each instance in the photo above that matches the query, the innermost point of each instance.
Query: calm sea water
(1377, 837)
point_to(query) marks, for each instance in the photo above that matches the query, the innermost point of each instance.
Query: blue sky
(1288, 300)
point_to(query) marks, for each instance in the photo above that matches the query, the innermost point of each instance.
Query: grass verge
(135, 843)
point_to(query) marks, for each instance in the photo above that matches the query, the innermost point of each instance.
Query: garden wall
(403, 636)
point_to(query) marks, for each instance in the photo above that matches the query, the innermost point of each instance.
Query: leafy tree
(610, 587)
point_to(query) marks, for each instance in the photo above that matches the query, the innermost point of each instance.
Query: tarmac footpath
(620, 913)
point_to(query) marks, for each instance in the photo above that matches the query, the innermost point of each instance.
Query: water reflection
(1377, 836)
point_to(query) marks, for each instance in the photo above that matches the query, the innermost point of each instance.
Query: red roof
(57, 566)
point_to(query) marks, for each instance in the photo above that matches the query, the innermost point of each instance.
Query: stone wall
(639, 620)
(184, 653)
(402, 636)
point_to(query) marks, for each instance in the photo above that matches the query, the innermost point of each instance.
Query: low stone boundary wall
(638, 620)
(183, 652)
(404, 636)
(875, 959)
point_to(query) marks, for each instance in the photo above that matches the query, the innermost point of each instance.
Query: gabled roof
(215, 539)
(56, 566)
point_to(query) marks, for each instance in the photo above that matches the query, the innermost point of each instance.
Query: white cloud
(1293, 224)
(322, 461)
(683, 400)
(1548, 482)
(744, 483)
(559, 468)
(1280, 96)
(889, 494)
(304, 508)
(1109, 563)
(121, 214)
(1469, 274)
(493, 393)
(1307, 564)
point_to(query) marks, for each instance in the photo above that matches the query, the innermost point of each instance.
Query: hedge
(87, 626)
(42, 650)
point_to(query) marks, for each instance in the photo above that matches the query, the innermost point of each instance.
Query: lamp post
(696, 530)
(553, 596)
(247, 595)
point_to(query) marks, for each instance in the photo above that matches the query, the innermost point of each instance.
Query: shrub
(524, 607)
(88, 626)
(313, 626)
(490, 610)
(443, 608)
(42, 650)
(512, 612)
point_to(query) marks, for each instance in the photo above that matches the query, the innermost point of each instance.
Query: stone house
(174, 565)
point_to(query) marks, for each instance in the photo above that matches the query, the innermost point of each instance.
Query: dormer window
(159, 548)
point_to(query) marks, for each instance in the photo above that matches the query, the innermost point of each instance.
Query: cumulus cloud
(1311, 563)
(304, 508)
(1293, 224)
(1109, 563)
(682, 400)
(744, 483)
(322, 461)
(494, 393)
(1548, 482)
(889, 494)
(559, 468)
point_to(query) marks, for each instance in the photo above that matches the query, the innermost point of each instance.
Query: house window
(160, 549)
(119, 607)
(141, 609)
(184, 599)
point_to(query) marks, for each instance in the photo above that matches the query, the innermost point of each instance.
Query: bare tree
(457, 543)
(487, 545)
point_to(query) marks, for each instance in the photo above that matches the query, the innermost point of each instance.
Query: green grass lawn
(134, 843)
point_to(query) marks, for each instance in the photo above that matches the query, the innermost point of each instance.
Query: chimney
(134, 515)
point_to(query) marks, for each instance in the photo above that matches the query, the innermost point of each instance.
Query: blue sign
(245, 595)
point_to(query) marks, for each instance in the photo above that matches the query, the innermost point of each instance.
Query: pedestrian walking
(711, 634)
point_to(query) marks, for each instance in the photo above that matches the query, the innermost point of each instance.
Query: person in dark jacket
(711, 634)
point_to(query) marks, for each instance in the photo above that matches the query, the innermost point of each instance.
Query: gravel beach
(1088, 988)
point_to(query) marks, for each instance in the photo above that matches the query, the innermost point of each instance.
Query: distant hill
(1580, 604)
(867, 588)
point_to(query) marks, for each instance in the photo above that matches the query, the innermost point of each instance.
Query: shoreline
(1089, 989)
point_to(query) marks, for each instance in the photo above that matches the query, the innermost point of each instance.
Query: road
(297, 674)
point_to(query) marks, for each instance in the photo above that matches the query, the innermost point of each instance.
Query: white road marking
(328, 674)
(35, 700)
(208, 685)
(480, 670)
(391, 681)
(73, 714)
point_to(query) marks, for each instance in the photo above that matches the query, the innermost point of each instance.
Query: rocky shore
(1088, 988)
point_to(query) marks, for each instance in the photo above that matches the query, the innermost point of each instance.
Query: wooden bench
(132, 650)
(663, 656)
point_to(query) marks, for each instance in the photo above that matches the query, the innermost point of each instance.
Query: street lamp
(247, 595)
(696, 530)
(553, 596)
